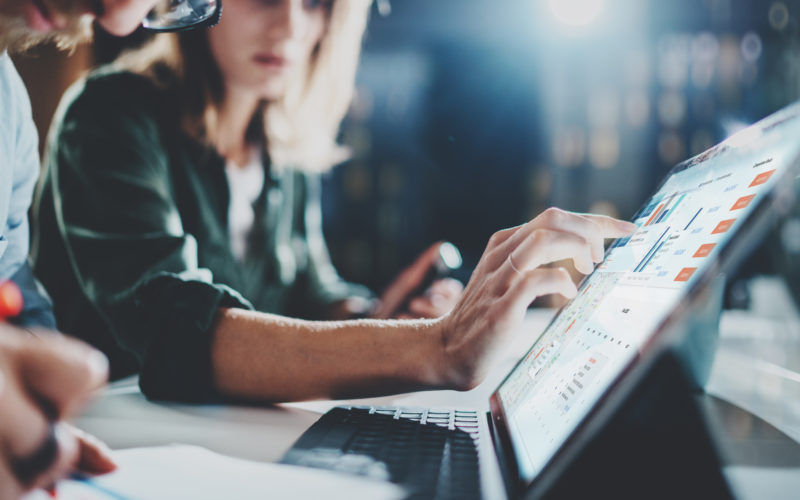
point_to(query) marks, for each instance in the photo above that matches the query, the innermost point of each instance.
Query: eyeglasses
(180, 15)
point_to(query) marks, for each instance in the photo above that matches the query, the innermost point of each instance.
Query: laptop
(704, 218)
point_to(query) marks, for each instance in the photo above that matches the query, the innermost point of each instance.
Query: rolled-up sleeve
(116, 212)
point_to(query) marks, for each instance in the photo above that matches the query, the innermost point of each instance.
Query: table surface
(753, 398)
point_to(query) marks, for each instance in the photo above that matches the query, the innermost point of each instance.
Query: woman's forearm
(274, 358)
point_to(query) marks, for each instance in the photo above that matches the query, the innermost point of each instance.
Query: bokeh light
(576, 12)
(778, 15)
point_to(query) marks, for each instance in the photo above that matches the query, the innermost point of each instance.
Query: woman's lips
(270, 60)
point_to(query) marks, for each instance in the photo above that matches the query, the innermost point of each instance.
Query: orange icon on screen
(704, 250)
(761, 178)
(655, 213)
(723, 226)
(743, 202)
(685, 274)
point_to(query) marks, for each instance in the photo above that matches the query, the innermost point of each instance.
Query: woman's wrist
(441, 358)
(416, 355)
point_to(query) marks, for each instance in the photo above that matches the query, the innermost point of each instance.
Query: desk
(753, 399)
(754, 393)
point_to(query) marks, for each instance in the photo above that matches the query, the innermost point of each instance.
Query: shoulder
(111, 123)
(108, 95)
(19, 140)
(11, 85)
(15, 107)
(108, 81)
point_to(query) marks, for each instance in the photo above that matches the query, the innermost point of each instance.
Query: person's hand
(437, 300)
(44, 380)
(509, 277)
(94, 457)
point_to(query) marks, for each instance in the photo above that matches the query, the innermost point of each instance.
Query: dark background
(473, 115)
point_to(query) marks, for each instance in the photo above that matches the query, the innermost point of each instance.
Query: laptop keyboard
(432, 453)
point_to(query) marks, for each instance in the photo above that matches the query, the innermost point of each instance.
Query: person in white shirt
(46, 377)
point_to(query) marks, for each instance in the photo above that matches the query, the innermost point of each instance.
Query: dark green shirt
(133, 240)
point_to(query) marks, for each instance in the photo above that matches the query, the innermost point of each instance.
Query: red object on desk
(10, 300)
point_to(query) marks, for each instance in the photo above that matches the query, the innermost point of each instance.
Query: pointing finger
(611, 227)
(544, 246)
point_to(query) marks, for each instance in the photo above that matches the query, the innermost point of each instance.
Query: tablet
(708, 212)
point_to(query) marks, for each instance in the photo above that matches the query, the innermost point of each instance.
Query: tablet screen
(681, 229)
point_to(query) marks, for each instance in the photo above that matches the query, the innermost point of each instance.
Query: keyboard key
(431, 453)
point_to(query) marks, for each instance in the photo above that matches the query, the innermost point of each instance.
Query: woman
(137, 204)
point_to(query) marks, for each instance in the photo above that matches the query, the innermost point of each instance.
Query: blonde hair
(301, 128)
(16, 36)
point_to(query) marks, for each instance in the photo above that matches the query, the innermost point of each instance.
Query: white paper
(191, 472)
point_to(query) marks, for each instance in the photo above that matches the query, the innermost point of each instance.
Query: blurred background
(471, 115)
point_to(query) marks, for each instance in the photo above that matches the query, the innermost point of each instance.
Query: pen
(87, 481)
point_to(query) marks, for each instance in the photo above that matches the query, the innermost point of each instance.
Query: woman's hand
(94, 456)
(440, 298)
(509, 277)
(400, 302)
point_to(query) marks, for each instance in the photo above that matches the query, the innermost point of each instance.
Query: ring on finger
(513, 266)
